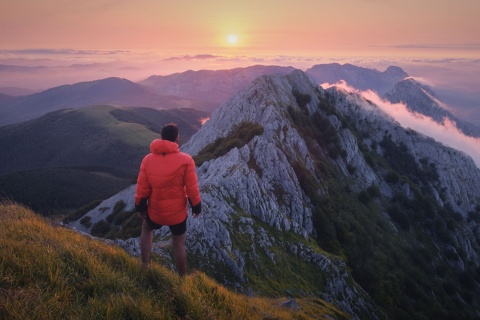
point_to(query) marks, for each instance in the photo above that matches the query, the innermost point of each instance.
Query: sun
(232, 39)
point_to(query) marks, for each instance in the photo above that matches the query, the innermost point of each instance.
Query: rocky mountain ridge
(264, 202)
(421, 98)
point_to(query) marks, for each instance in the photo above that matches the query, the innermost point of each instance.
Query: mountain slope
(215, 86)
(68, 158)
(15, 91)
(95, 135)
(50, 272)
(326, 196)
(114, 91)
(358, 77)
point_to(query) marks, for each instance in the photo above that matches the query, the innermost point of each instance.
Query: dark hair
(170, 132)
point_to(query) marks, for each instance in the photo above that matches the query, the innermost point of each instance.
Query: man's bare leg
(146, 244)
(180, 253)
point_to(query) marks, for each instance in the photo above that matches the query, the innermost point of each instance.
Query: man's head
(170, 132)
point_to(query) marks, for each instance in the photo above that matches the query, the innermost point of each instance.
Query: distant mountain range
(113, 91)
(357, 77)
(15, 91)
(209, 85)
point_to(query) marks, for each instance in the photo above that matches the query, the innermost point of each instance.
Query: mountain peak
(358, 77)
(396, 72)
(264, 102)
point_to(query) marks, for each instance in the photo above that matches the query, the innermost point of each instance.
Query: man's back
(167, 177)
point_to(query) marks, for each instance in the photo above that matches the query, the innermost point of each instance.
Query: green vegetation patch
(271, 268)
(315, 128)
(240, 135)
(59, 190)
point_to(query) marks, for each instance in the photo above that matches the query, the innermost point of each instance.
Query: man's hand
(142, 215)
(142, 206)
(196, 209)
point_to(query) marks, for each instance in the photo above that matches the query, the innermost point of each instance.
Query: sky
(261, 26)
(434, 39)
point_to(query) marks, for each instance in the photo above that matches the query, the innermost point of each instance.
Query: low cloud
(447, 133)
(423, 81)
(195, 57)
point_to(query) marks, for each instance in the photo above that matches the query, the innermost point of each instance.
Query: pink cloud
(447, 133)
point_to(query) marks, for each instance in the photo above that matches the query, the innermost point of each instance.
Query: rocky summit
(312, 192)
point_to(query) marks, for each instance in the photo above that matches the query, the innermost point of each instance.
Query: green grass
(242, 134)
(50, 272)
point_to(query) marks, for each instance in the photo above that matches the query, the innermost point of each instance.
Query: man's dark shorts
(176, 230)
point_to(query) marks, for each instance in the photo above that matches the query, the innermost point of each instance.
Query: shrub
(86, 221)
(392, 177)
(364, 197)
(100, 228)
(82, 211)
(302, 99)
(117, 208)
(240, 135)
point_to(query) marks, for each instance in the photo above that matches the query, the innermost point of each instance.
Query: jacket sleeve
(191, 183)
(143, 189)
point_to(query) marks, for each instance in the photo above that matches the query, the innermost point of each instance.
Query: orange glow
(192, 26)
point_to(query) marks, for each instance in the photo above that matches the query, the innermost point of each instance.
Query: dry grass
(50, 272)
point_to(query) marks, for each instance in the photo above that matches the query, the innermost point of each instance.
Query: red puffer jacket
(167, 177)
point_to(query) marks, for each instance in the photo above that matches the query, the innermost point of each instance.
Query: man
(167, 178)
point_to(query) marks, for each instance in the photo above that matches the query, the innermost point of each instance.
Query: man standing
(167, 178)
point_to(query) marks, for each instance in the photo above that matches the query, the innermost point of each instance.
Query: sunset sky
(261, 26)
(72, 41)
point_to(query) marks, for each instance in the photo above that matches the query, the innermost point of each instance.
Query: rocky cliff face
(326, 168)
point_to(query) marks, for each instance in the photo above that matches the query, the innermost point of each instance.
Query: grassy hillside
(49, 272)
(47, 162)
(97, 135)
(56, 190)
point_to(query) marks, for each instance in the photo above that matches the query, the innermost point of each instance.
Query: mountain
(80, 155)
(15, 91)
(358, 77)
(214, 86)
(51, 272)
(5, 98)
(421, 99)
(312, 192)
(113, 91)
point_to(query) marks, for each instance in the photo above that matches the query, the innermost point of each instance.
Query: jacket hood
(160, 146)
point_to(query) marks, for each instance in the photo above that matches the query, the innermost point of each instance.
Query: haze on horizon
(433, 39)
